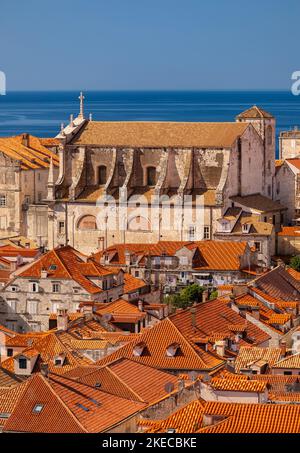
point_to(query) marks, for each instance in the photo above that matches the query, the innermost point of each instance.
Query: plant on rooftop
(186, 297)
(295, 263)
(213, 295)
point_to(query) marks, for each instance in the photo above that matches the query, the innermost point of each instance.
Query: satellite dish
(169, 387)
(107, 317)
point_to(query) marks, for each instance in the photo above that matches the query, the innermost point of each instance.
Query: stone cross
(81, 99)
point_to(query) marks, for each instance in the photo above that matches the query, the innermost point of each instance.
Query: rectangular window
(274, 219)
(3, 222)
(40, 196)
(61, 227)
(32, 306)
(9, 352)
(22, 364)
(257, 246)
(191, 233)
(2, 200)
(55, 287)
(55, 306)
(13, 304)
(206, 232)
(34, 287)
(27, 199)
(136, 273)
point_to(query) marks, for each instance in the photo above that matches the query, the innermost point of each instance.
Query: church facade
(142, 182)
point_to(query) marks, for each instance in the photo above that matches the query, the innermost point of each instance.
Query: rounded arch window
(151, 176)
(269, 135)
(87, 222)
(139, 223)
(102, 175)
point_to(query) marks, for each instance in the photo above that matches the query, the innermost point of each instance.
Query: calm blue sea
(41, 113)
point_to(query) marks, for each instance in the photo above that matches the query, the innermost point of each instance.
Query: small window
(265, 219)
(269, 190)
(61, 227)
(9, 352)
(52, 267)
(151, 176)
(191, 233)
(136, 273)
(2, 200)
(40, 195)
(269, 135)
(14, 288)
(274, 219)
(257, 246)
(206, 232)
(34, 287)
(101, 175)
(55, 287)
(38, 408)
(39, 176)
(287, 373)
(22, 363)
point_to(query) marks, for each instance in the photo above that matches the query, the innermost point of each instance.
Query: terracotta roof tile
(253, 418)
(160, 134)
(249, 355)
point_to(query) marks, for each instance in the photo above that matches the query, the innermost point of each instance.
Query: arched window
(101, 175)
(151, 176)
(139, 223)
(269, 135)
(88, 222)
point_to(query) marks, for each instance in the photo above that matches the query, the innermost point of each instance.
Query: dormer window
(22, 363)
(59, 360)
(138, 349)
(246, 227)
(173, 349)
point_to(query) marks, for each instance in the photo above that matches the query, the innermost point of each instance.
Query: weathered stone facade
(134, 162)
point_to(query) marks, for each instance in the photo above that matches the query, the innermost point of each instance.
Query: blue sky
(143, 44)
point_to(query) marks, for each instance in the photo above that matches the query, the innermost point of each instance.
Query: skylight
(38, 408)
(86, 409)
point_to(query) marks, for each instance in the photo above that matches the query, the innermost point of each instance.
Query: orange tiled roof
(252, 418)
(216, 317)
(68, 406)
(156, 340)
(295, 274)
(128, 379)
(250, 354)
(32, 156)
(214, 255)
(237, 385)
(159, 134)
(278, 284)
(188, 419)
(67, 263)
(255, 112)
(292, 362)
(293, 231)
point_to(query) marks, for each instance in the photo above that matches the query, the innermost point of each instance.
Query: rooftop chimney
(25, 140)
(283, 348)
(62, 319)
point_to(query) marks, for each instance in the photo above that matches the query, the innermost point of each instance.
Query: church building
(143, 182)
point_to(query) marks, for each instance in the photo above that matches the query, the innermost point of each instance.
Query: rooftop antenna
(91, 117)
(81, 99)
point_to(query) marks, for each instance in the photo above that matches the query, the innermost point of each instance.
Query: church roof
(255, 112)
(159, 134)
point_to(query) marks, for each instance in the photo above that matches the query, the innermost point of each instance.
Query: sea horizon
(41, 112)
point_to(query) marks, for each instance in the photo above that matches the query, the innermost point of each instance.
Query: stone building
(62, 278)
(25, 162)
(111, 171)
(171, 265)
(289, 144)
(287, 188)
